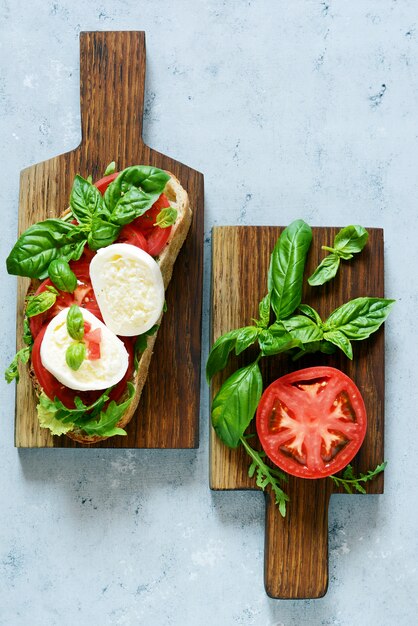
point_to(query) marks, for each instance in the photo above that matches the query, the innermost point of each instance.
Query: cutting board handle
(112, 83)
(296, 547)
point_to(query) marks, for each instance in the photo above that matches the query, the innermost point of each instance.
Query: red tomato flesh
(312, 422)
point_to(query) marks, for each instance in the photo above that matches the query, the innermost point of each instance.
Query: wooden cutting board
(296, 547)
(112, 79)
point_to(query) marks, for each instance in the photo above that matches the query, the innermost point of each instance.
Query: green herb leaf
(234, 405)
(111, 169)
(86, 201)
(105, 426)
(266, 476)
(12, 372)
(75, 323)
(340, 340)
(42, 243)
(166, 217)
(245, 338)
(132, 204)
(264, 311)
(286, 268)
(141, 344)
(310, 312)
(35, 305)
(75, 355)
(47, 417)
(75, 416)
(150, 179)
(350, 240)
(276, 339)
(27, 335)
(352, 483)
(102, 233)
(326, 347)
(218, 356)
(62, 276)
(303, 328)
(359, 318)
(325, 271)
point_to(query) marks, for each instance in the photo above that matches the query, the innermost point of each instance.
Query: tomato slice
(53, 388)
(312, 422)
(104, 182)
(132, 235)
(158, 239)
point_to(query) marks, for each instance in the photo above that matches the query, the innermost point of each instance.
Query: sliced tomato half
(312, 422)
(104, 182)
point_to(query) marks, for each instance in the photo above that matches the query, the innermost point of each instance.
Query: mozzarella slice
(98, 374)
(129, 288)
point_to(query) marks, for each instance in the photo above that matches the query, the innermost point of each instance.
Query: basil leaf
(326, 347)
(40, 303)
(303, 328)
(78, 251)
(276, 339)
(264, 310)
(218, 356)
(326, 270)
(102, 233)
(86, 200)
(150, 179)
(75, 323)
(62, 276)
(350, 239)
(245, 338)
(106, 425)
(286, 268)
(75, 355)
(359, 318)
(12, 372)
(40, 244)
(340, 340)
(310, 312)
(132, 204)
(234, 405)
(166, 217)
(111, 169)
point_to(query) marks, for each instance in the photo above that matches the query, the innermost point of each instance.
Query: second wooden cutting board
(296, 547)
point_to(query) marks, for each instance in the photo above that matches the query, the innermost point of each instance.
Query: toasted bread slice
(179, 200)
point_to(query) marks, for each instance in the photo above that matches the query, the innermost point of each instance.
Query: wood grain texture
(296, 548)
(112, 75)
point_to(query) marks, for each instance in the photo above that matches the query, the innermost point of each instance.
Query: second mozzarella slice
(129, 288)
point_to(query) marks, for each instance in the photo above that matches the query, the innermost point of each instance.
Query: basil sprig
(347, 242)
(35, 305)
(12, 372)
(62, 275)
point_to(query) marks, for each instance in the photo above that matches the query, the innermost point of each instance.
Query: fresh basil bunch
(296, 328)
(100, 219)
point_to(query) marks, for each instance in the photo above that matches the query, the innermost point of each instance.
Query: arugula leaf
(166, 217)
(235, 403)
(325, 271)
(62, 275)
(12, 372)
(340, 340)
(102, 233)
(75, 323)
(86, 201)
(266, 475)
(352, 483)
(141, 344)
(286, 268)
(105, 426)
(218, 356)
(359, 318)
(27, 335)
(245, 338)
(35, 305)
(73, 416)
(42, 243)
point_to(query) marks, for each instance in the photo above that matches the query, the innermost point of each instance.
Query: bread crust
(178, 199)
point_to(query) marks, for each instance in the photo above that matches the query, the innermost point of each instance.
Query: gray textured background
(291, 109)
